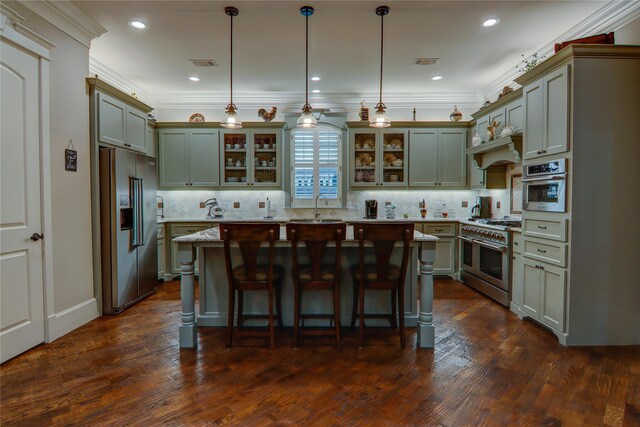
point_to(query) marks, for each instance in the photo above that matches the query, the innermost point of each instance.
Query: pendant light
(307, 120)
(231, 121)
(380, 119)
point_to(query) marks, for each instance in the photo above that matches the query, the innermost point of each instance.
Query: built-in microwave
(544, 186)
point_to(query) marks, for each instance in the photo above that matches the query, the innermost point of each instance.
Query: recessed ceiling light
(436, 78)
(316, 91)
(315, 78)
(194, 79)
(490, 22)
(138, 24)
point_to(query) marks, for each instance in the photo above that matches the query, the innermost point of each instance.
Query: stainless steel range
(485, 256)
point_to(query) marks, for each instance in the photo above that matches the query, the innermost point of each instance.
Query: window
(316, 167)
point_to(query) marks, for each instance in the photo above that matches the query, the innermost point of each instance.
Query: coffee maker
(482, 209)
(371, 209)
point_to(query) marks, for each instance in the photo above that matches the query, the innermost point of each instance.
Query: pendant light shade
(231, 120)
(380, 119)
(307, 120)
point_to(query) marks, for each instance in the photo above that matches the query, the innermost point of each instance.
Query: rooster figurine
(267, 116)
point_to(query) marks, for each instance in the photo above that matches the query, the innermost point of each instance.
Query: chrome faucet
(316, 215)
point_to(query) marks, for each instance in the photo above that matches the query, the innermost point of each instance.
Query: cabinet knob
(36, 236)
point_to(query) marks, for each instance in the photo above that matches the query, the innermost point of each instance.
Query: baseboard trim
(62, 323)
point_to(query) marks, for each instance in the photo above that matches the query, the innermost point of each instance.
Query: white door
(21, 268)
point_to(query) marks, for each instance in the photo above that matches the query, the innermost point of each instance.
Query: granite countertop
(213, 235)
(284, 220)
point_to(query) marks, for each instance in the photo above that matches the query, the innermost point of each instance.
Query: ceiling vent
(425, 61)
(204, 62)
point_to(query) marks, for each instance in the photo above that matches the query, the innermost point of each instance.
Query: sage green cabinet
(378, 157)
(121, 124)
(437, 157)
(546, 114)
(251, 158)
(188, 158)
(481, 127)
(544, 293)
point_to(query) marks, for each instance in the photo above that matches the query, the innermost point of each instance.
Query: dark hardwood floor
(488, 368)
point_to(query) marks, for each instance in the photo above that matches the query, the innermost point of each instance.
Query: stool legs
(336, 312)
(232, 303)
(296, 312)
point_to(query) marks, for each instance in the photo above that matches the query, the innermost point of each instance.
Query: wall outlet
(236, 205)
(261, 205)
(465, 204)
(352, 207)
(174, 207)
(498, 205)
(201, 205)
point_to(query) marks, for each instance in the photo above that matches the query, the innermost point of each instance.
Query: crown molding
(66, 17)
(610, 17)
(107, 75)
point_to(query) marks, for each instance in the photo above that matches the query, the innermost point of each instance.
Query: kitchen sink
(316, 220)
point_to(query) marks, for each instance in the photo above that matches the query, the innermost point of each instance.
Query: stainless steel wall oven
(545, 186)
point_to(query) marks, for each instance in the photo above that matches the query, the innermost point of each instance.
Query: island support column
(426, 330)
(188, 329)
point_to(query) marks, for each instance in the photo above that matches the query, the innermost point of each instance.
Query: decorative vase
(455, 115)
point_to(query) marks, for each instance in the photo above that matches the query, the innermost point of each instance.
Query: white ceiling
(344, 46)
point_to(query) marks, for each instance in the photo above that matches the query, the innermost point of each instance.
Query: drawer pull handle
(542, 251)
(541, 227)
(191, 230)
(439, 229)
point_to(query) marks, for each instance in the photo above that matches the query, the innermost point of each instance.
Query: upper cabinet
(251, 158)
(188, 158)
(119, 119)
(546, 114)
(437, 157)
(378, 157)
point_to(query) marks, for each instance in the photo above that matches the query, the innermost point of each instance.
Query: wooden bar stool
(317, 275)
(382, 275)
(252, 275)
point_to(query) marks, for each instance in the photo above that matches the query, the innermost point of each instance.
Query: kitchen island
(213, 295)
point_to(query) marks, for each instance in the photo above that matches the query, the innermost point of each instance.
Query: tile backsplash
(186, 204)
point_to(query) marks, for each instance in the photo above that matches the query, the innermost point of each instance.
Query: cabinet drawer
(554, 229)
(543, 250)
(446, 229)
(184, 229)
(518, 243)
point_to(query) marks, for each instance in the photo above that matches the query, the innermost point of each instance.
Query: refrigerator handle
(140, 213)
(136, 238)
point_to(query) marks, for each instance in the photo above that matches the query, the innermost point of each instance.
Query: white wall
(73, 295)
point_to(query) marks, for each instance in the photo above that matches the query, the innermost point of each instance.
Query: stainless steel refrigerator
(128, 228)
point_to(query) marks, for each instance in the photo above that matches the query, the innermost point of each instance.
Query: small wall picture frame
(70, 158)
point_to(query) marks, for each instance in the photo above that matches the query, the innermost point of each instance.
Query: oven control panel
(486, 234)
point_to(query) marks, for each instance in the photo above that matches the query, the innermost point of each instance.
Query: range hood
(500, 151)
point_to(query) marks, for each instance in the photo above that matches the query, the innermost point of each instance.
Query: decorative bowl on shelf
(390, 158)
(365, 159)
(397, 162)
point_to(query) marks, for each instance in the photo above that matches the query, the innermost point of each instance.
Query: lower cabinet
(161, 259)
(445, 256)
(517, 280)
(544, 293)
(182, 229)
(445, 262)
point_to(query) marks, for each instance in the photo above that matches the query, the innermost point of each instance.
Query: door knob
(36, 236)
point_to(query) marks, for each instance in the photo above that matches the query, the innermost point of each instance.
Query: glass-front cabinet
(378, 157)
(251, 157)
